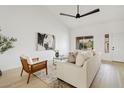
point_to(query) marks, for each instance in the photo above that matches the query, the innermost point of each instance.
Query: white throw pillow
(88, 53)
(29, 59)
(94, 52)
(80, 59)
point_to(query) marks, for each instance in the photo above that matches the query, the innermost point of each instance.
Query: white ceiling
(107, 13)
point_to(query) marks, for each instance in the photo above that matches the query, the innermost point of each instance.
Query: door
(118, 47)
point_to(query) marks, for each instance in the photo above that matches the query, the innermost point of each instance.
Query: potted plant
(5, 44)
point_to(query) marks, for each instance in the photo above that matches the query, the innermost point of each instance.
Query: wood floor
(110, 75)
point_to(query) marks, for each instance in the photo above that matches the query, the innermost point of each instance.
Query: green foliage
(81, 46)
(6, 43)
(86, 45)
(89, 44)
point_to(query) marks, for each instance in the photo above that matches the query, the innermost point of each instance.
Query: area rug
(51, 79)
(51, 74)
(60, 84)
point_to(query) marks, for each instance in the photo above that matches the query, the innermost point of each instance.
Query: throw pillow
(88, 53)
(94, 53)
(72, 57)
(29, 59)
(80, 59)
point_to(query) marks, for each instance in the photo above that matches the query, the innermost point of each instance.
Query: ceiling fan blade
(67, 15)
(77, 9)
(91, 12)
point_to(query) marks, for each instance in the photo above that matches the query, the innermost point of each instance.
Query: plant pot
(0, 73)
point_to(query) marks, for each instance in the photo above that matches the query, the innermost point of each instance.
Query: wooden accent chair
(32, 68)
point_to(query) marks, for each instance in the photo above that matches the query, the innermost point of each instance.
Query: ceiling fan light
(78, 15)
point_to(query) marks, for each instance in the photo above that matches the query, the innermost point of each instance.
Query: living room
(27, 24)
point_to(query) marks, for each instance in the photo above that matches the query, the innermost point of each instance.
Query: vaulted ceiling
(106, 14)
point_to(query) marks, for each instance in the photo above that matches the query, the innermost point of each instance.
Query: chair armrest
(39, 65)
(40, 62)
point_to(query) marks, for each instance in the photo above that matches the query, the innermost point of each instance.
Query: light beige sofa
(80, 77)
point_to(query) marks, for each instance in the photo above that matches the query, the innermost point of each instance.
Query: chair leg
(46, 71)
(22, 72)
(28, 78)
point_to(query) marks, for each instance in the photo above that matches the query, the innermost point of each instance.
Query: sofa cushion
(80, 59)
(72, 57)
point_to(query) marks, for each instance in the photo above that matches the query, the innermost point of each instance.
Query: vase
(57, 54)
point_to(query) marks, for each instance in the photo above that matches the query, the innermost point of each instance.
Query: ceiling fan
(78, 15)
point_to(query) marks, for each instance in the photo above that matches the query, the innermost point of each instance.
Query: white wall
(23, 22)
(98, 31)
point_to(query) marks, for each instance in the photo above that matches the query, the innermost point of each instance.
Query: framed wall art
(45, 41)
